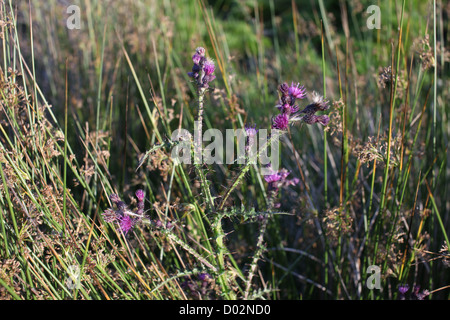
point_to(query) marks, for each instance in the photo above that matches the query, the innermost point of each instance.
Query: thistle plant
(202, 74)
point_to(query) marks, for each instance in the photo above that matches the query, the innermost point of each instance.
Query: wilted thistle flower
(203, 68)
(125, 218)
(311, 119)
(318, 104)
(385, 76)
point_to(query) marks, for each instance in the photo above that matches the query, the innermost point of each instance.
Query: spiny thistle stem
(259, 251)
(204, 183)
(219, 235)
(191, 251)
(260, 248)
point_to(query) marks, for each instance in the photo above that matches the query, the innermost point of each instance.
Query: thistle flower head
(200, 51)
(273, 177)
(403, 289)
(319, 101)
(125, 218)
(140, 195)
(279, 179)
(281, 121)
(196, 58)
(209, 66)
(203, 68)
(126, 223)
(251, 130)
(297, 91)
(284, 89)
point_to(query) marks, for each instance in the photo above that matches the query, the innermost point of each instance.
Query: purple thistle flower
(297, 91)
(209, 66)
(196, 58)
(140, 195)
(125, 218)
(201, 51)
(403, 289)
(279, 179)
(323, 120)
(250, 130)
(271, 178)
(126, 223)
(204, 276)
(198, 55)
(203, 68)
(281, 121)
(318, 104)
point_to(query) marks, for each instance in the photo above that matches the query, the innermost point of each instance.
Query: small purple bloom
(125, 218)
(204, 276)
(287, 108)
(403, 289)
(203, 68)
(201, 51)
(271, 178)
(126, 223)
(297, 91)
(140, 195)
(196, 58)
(209, 67)
(323, 120)
(281, 121)
(251, 131)
(279, 179)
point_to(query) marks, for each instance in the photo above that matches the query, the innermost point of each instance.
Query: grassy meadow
(86, 122)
